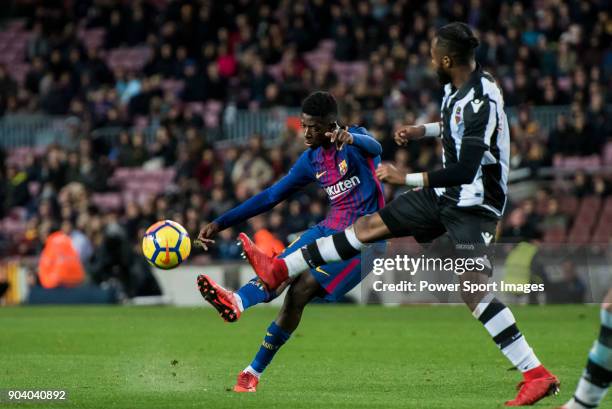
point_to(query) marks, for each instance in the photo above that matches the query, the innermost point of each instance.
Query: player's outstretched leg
(303, 289)
(499, 321)
(340, 246)
(597, 376)
(229, 304)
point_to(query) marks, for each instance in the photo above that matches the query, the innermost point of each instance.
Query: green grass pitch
(340, 357)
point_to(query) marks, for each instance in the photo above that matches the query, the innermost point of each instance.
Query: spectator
(263, 238)
(35, 76)
(16, 187)
(254, 171)
(59, 264)
(554, 219)
(225, 246)
(570, 289)
(139, 151)
(79, 240)
(114, 263)
(8, 87)
(204, 170)
(259, 80)
(195, 84)
(164, 147)
(215, 84)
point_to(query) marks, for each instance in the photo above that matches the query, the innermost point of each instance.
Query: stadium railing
(235, 125)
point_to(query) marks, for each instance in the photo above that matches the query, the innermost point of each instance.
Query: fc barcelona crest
(342, 167)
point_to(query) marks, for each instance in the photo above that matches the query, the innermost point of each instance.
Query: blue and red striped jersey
(347, 176)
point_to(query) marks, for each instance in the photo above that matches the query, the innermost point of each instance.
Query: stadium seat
(607, 154)
(592, 162)
(603, 231)
(128, 59)
(107, 202)
(173, 86)
(275, 71)
(92, 38)
(12, 227)
(327, 45)
(555, 235)
(580, 234)
(197, 108)
(568, 205)
(15, 25)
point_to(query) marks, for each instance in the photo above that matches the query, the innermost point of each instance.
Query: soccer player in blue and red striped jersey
(342, 161)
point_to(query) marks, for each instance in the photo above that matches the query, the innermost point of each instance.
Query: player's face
(441, 63)
(314, 130)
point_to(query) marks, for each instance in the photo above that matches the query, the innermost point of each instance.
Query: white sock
(238, 301)
(521, 355)
(295, 263)
(588, 393)
(352, 238)
(252, 371)
(497, 318)
(327, 249)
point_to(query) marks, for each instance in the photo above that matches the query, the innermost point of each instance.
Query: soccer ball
(166, 244)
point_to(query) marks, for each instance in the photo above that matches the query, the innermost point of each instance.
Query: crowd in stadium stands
(173, 64)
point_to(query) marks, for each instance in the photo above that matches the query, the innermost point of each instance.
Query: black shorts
(426, 216)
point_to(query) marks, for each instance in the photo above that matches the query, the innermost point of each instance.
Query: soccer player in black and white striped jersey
(461, 202)
(597, 376)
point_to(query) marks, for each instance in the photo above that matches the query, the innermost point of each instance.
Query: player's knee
(469, 301)
(472, 299)
(607, 302)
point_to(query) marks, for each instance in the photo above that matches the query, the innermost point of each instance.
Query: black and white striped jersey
(475, 113)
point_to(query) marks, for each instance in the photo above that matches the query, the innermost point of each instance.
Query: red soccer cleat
(532, 390)
(247, 382)
(224, 301)
(271, 270)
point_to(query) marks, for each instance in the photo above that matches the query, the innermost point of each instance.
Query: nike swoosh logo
(166, 259)
(320, 270)
(318, 175)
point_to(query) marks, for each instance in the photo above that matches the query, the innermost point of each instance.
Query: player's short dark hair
(320, 104)
(458, 40)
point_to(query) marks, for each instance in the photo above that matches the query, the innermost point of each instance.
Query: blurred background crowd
(178, 67)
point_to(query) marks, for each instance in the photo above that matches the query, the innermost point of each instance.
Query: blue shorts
(336, 278)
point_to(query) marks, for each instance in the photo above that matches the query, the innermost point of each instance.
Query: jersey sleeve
(479, 122)
(299, 176)
(365, 142)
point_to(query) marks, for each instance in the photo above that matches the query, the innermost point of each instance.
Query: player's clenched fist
(390, 174)
(205, 238)
(340, 136)
(406, 133)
